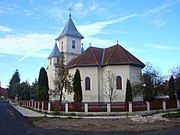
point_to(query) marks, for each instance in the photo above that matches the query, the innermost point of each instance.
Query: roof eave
(88, 65)
(132, 64)
(61, 36)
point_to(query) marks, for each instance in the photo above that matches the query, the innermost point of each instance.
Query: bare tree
(176, 73)
(63, 80)
(110, 86)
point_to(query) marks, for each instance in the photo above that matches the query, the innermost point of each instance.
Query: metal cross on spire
(117, 42)
(70, 9)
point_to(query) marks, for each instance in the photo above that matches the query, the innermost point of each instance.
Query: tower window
(118, 82)
(62, 45)
(73, 44)
(57, 60)
(87, 83)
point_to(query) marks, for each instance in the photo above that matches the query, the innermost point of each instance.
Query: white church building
(93, 64)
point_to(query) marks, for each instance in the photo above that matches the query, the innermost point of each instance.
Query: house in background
(3, 92)
(93, 64)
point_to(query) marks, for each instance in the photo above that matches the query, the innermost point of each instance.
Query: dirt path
(122, 124)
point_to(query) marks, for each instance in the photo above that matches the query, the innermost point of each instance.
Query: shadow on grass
(172, 115)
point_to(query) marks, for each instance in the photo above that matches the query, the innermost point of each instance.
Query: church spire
(70, 12)
(70, 29)
(55, 52)
(82, 48)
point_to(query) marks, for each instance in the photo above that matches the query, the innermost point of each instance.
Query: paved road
(13, 123)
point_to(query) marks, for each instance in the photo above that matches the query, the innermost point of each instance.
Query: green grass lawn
(172, 115)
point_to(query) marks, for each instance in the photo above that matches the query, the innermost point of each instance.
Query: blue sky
(149, 29)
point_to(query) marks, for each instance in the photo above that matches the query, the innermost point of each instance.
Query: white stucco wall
(67, 47)
(51, 74)
(123, 71)
(88, 95)
(98, 77)
(135, 73)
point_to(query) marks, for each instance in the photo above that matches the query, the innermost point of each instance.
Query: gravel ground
(137, 123)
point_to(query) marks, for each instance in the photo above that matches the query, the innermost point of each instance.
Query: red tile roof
(2, 91)
(114, 55)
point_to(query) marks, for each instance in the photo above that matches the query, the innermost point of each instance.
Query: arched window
(87, 83)
(73, 44)
(118, 82)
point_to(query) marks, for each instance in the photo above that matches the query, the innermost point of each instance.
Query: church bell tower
(69, 41)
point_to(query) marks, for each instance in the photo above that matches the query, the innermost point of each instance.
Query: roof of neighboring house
(2, 91)
(70, 30)
(55, 52)
(114, 55)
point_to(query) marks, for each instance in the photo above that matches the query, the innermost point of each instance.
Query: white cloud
(57, 13)
(34, 45)
(40, 45)
(29, 12)
(4, 65)
(159, 22)
(90, 30)
(5, 29)
(103, 43)
(96, 28)
(8, 9)
(80, 8)
(157, 15)
(31, 1)
(156, 10)
(130, 49)
(161, 47)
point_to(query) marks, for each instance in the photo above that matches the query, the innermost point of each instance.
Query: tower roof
(70, 30)
(55, 52)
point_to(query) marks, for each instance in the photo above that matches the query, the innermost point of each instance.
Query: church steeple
(70, 30)
(82, 48)
(69, 41)
(55, 52)
(70, 12)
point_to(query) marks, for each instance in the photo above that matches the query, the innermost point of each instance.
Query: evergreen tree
(43, 87)
(33, 89)
(172, 88)
(24, 90)
(13, 89)
(77, 87)
(128, 91)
